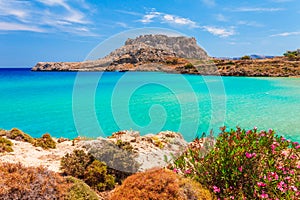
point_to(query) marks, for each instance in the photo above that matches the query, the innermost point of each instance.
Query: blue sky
(67, 30)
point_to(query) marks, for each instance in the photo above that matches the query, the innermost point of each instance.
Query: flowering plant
(246, 165)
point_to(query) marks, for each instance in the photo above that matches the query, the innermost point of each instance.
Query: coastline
(269, 67)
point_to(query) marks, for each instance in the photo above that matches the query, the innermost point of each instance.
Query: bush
(246, 57)
(5, 145)
(96, 176)
(246, 164)
(189, 66)
(46, 142)
(79, 190)
(19, 135)
(19, 182)
(120, 163)
(124, 145)
(159, 184)
(75, 164)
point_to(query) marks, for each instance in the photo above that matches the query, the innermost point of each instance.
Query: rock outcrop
(145, 53)
(148, 151)
(181, 46)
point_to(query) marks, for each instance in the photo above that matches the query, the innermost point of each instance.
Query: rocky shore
(148, 151)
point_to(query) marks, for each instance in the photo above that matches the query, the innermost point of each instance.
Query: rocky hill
(181, 46)
(144, 53)
(178, 55)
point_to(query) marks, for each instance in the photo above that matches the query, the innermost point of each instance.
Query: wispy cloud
(129, 12)
(172, 19)
(221, 18)
(256, 9)
(167, 18)
(209, 3)
(250, 23)
(286, 34)
(45, 16)
(222, 32)
(147, 18)
(7, 26)
(160, 17)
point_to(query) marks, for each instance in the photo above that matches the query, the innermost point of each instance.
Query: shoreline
(269, 67)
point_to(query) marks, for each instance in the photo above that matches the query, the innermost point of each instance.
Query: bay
(68, 104)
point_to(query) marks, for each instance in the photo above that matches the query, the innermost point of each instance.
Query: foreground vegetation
(238, 164)
(245, 165)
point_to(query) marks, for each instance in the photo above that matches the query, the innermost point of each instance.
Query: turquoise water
(67, 104)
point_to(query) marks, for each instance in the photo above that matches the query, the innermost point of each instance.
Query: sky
(68, 30)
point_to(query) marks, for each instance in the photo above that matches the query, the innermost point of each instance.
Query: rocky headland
(176, 55)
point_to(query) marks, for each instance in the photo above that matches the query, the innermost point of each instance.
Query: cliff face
(144, 53)
(181, 46)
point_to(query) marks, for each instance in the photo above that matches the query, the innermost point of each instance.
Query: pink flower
(250, 155)
(231, 197)
(270, 130)
(216, 189)
(264, 196)
(188, 171)
(294, 188)
(295, 143)
(176, 170)
(249, 132)
(255, 128)
(261, 184)
(297, 147)
(287, 178)
(240, 168)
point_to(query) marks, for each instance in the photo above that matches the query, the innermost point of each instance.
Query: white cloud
(250, 23)
(221, 18)
(14, 8)
(6, 26)
(209, 2)
(172, 19)
(149, 17)
(256, 9)
(221, 32)
(167, 18)
(37, 15)
(285, 34)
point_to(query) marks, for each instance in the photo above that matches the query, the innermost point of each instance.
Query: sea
(94, 104)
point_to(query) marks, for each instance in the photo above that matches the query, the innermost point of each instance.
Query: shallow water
(68, 104)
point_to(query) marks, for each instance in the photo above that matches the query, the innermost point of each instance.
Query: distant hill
(144, 53)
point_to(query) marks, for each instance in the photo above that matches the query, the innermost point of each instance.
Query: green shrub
(124, 145)
(46, 142)
(172, 61)
(189, 66)
(19, 182)
(19, 135)
(157, 142)
(246, 164)
(120, 163)
(96, 176)
(246, 57)
(75, 164)
(79, 190)
(160, 184)
(5, 145)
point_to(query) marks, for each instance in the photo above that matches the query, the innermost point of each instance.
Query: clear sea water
(68, 104)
